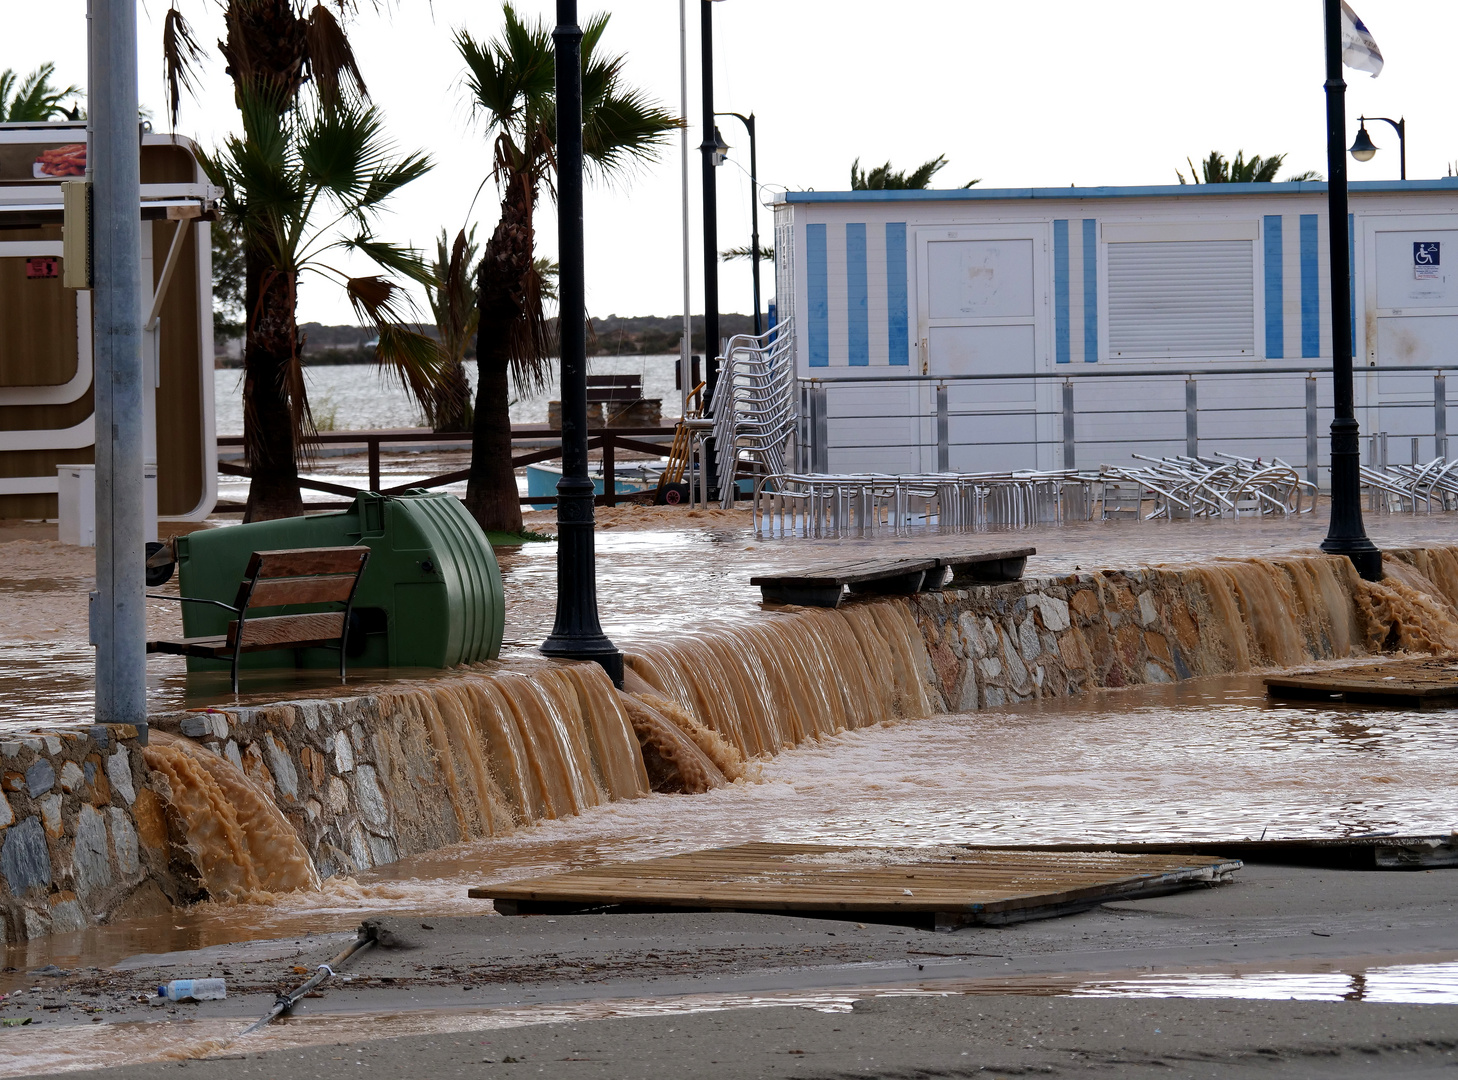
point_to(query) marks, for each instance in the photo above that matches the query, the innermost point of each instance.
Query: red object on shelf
(43, 266)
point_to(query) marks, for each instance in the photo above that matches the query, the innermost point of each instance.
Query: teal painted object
(431, 596)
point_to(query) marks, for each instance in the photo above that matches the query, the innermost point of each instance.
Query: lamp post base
(1365, 555)
(602, 651)
(1346, 535)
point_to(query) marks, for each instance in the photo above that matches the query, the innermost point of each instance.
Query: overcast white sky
(1045, 93)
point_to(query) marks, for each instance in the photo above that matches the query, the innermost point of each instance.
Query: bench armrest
(193, 600)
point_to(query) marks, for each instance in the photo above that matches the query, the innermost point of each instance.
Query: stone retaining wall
(1059, 636)
(84, 835)
(70, 846)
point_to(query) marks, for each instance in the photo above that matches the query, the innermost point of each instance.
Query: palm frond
(36, 100)
(745, 252)
(402, 260)
(180, 56)
(412, 357)
(331, 57)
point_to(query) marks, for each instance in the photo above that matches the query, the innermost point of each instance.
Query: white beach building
(1065, 327)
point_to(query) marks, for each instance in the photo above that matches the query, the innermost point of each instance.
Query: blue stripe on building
(817, 293)
(1062, 324)
(1275, 313)
(1310, 289)
(897, 301)
(1090, 291)
(857, 314)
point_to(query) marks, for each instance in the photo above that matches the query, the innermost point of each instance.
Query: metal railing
(1075, 428)
(641, 440)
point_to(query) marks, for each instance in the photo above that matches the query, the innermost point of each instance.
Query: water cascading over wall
(772, 683)
(236, 800)
(243, 802)
(1055, 637)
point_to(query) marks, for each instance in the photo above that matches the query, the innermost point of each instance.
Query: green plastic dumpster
(431, 596)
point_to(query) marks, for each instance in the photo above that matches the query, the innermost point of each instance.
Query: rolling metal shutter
(1181, 298)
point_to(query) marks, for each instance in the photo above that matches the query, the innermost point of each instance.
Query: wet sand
(617, 995)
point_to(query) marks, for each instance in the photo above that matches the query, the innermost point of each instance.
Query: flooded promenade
(1201, 756)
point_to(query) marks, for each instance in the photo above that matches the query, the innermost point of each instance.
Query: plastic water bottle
(194, 990)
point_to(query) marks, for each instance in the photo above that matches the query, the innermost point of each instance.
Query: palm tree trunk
(506, 266)
(268, 421)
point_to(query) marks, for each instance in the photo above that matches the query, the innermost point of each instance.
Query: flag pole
(1345, 533)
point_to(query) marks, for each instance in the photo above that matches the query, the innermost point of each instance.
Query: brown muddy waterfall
(509, 746)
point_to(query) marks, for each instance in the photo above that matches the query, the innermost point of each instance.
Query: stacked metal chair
(754, 406)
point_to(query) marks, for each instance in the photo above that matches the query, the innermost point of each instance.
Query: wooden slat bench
(824, 585)
(277, 579)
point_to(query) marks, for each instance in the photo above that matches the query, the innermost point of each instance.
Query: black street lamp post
(1345, 535)
(748, 122)
(1363, 149)
(576, 634)
(712, 149)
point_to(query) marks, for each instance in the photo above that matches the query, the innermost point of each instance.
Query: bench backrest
(301, 576)
(614, 387)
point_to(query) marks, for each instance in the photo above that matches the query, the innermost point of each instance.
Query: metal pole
(576, 634)
(1311, 431)
(1440, 415)
(711, 205)
(1069, 443)
(688, 326)
(944, 447)
(1345, 535)
(1192, 419)
(754, 219)
(118, 615)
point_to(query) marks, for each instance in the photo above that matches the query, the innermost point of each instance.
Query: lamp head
(721, 148)
(1363, 148)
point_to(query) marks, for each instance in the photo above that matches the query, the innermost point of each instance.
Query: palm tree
(307, 166)
(36, 100)
(1215, 169)
(883, 178)
(290, 181)
(451, 292)
(512, 85)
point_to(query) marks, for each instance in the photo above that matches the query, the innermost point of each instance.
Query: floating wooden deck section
(944, 887)
(1429, 682)
(823, 585)
(1367, 852)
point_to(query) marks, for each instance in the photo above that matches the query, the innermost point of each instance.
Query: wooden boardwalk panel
(1429, 682)
(946, 886)
(822, 585)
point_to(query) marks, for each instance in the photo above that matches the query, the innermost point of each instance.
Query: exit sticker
(42, 266)
(1426, 258)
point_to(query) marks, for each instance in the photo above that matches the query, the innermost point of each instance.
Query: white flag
(1358, 49)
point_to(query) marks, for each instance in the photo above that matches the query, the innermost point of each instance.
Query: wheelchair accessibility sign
(1425, 259)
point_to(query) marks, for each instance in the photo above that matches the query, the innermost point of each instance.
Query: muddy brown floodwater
(1201, 759)
(659, 571)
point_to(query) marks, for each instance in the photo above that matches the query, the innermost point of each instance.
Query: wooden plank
(1416, 852)
(964, 886)
(1422, 682)
(288, 631)
(986, 567)
(303, 562)
(278, 592)
(847, 573)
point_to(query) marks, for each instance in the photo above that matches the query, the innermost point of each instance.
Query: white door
(983, 310)
(1412, 318)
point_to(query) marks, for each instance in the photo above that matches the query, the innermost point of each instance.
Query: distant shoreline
(642, 335)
